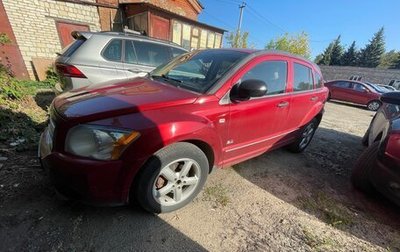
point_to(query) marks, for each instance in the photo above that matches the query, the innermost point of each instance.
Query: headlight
(98, 142)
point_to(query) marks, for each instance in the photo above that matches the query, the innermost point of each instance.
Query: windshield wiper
(170, 78)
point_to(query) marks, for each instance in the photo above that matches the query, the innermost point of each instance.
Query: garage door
(64, 31)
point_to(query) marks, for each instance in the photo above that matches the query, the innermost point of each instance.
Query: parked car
(395, 84)
(355, 92)
(377, 87)
(155, 139)
(96, 57)
(389, 88)
(379, 165)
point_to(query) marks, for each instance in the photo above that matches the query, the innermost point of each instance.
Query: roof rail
(126, 30)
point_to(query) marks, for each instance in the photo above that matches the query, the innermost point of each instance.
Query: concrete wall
(34, 25)
(374, 75)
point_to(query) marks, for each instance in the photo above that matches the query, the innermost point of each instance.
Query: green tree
(325, 57)
(397, 65)
(237, 40)
(350, 56)
(296, 44)
(389, 59)
(371, 55)
(336, 52)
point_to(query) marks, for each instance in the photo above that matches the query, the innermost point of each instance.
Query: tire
(171, 169)
(364, 164)
(364, 140)
(374, 105)
(306, 135)
(329, 96)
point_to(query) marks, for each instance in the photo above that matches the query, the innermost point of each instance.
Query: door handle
(314, 98)
(283, 104)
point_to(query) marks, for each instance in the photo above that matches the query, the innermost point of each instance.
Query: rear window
(318, 81)
(151, 54)
(113, 50)
(302, 78)
(71, 48)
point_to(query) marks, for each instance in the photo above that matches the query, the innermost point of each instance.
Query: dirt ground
(276, 202)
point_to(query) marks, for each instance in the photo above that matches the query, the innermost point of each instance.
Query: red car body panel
(350, 94)
(164, 114)
(385, 128)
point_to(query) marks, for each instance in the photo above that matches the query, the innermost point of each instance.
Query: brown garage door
(160, 27)
(64, 31)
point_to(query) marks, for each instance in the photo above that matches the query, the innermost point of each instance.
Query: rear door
(303, 95)
(259, 123)
(112, 67)
(341, 90)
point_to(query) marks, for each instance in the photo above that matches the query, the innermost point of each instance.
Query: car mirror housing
(248, 89)
(391, 97)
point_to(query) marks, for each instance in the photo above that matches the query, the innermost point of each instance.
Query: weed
(217, 194)
(332, 211)
(317, 243)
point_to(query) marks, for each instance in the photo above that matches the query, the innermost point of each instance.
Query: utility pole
(241, 6)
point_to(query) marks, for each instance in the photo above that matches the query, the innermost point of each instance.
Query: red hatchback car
(355, 92)
(379, 165)
(155, 139)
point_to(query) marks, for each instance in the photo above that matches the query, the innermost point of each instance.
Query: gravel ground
(278, 201)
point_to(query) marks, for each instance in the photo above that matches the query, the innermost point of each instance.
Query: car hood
(113, 99)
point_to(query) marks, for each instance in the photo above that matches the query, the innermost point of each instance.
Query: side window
(318, 81)
(113, 50)
(176, 52)
(273, 73)
(342, 84)
(130, 55)
(358, 87)
(151, 54)
(302, 78)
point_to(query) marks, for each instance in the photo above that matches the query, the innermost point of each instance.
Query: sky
(322, 20)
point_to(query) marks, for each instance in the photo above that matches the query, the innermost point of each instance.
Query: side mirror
(248, 89)
(391, 97)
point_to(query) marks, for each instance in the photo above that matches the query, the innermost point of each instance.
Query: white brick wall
(34, 25)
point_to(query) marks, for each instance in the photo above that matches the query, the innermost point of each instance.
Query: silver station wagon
(97, 57)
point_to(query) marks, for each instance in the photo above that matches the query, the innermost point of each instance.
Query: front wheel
(364, 164)
(307, 133)
(374, 105)
(171, 178)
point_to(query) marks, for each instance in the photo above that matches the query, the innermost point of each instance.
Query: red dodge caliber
(155, 140)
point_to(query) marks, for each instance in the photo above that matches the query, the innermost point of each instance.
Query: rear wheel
(172, 178)
(307, 133)
(364, 164)
(374, 105)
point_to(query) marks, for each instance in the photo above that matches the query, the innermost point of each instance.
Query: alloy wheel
(176, 182)
(307, 135)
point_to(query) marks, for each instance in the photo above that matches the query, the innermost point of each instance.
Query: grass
(317, 243)
(331, 211)
(23, 111)
(217, 194)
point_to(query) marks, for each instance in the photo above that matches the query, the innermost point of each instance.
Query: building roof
(183, 18)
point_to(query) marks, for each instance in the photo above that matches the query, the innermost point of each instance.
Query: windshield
(198, 71)
(377, 88)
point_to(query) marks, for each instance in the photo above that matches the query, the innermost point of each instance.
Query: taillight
(69, 71)
(393, 145)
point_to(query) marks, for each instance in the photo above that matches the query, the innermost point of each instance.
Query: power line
(231, 27)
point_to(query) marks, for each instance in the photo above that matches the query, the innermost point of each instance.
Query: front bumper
(386, 179)
(91, 181)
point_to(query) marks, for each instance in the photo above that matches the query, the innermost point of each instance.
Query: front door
(259, 123)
